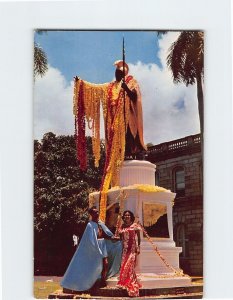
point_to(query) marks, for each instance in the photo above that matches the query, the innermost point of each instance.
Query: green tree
(186, 61)
(61, 192)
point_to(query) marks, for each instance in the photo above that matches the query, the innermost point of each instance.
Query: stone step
(81, 296)
(151, 280)
(194, 291)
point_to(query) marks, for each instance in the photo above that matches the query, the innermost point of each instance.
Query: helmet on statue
(119, 65)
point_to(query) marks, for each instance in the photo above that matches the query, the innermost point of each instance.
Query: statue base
(148, 203)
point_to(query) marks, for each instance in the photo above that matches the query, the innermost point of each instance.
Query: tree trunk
(200, 103)
(201, 113)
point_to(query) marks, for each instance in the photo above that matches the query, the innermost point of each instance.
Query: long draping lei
(80, 125)
(86, 107)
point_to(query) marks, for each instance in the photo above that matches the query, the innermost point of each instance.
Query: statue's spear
(123, 58)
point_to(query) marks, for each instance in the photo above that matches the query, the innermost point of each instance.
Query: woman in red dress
(130, 236)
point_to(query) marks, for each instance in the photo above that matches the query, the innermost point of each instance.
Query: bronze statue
(121, 96)
(122, 112)
(134, 133)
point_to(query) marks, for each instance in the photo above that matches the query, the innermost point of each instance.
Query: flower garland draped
(116, 122)
(80, 130)
(86, 107)
(146, 188)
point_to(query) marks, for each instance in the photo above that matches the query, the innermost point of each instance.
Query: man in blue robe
(97, 257)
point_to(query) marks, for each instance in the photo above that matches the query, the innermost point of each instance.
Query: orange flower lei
(80, 130)
(115, 146)
(86, 106)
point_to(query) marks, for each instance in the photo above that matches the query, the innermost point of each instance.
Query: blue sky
(169, 110)
(91, 53)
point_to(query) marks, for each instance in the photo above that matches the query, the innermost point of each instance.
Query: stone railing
(191, 141)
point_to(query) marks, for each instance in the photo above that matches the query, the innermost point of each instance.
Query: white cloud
(170, 111)
(163, 119)
(53, 104)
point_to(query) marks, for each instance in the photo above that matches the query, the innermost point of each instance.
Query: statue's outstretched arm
(90, 84)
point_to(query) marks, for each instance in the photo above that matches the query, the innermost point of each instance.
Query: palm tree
(40, 61)
(186, 61)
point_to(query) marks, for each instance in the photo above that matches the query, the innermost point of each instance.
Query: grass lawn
(43, 289)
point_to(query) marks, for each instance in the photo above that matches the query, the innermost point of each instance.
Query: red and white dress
(128, 278)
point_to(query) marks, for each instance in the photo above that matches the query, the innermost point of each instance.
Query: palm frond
(40, 61)
(186, 56)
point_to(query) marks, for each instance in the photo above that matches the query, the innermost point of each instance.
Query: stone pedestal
(150, 262)
(137, 179)
(137, 172)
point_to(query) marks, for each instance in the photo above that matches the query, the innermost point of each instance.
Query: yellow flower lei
(115, 154)
(116, 125)
(147, 188)
(93, 94)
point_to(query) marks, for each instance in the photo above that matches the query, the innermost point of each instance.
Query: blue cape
(87, 263)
